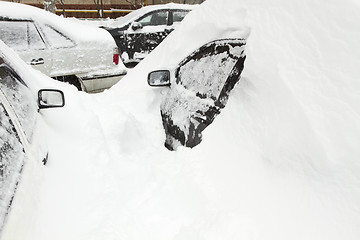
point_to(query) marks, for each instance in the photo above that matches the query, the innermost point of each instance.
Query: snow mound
(280, 162)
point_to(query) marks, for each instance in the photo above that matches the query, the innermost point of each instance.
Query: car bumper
(100, 82)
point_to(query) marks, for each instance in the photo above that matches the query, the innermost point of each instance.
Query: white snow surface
(280, 162)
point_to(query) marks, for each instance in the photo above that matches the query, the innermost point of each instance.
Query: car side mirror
(136, 26)
(50, 98)
(159, 78)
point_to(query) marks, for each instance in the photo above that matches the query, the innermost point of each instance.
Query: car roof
(121, 21)
(22, 11)
(78, 31)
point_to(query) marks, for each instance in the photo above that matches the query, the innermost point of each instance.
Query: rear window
(56, 39)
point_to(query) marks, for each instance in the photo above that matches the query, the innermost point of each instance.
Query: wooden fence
(91, 11)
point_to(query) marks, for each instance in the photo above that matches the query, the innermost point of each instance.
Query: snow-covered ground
(282, 160)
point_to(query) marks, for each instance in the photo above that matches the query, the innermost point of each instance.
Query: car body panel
(93, 85)
(28, 42)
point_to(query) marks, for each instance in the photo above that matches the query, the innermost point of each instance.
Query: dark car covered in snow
(139, 32)
(199, 89)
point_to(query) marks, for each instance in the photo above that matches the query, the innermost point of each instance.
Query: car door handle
(37, 61)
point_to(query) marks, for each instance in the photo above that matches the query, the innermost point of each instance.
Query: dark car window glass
(14, 34)
(55, 38)
(20, 99)
(35, 41)
(154, 19)
(12, 158)
(178, 16)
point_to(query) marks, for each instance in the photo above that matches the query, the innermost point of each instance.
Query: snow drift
(280, 162)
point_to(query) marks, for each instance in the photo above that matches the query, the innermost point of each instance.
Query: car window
(14, 34)
(21, 35)
(34, 38)
(178, 16)
(56, 39)
(154, 19)
(12, 158)
(20, 99)
(211, 71)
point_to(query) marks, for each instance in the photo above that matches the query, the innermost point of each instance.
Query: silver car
(66, 50)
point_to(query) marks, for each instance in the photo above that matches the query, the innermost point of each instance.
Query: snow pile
(280, 162)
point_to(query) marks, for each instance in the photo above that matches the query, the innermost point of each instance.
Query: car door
(66, 59)
(203, 82)
(146, 33)
(18, 115)
(23, 36)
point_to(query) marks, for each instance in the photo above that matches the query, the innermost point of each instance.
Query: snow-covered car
(200, 87)
(66, 50)
(20, 131)
(139, 32)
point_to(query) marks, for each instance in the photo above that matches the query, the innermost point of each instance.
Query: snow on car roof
(76, 30)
